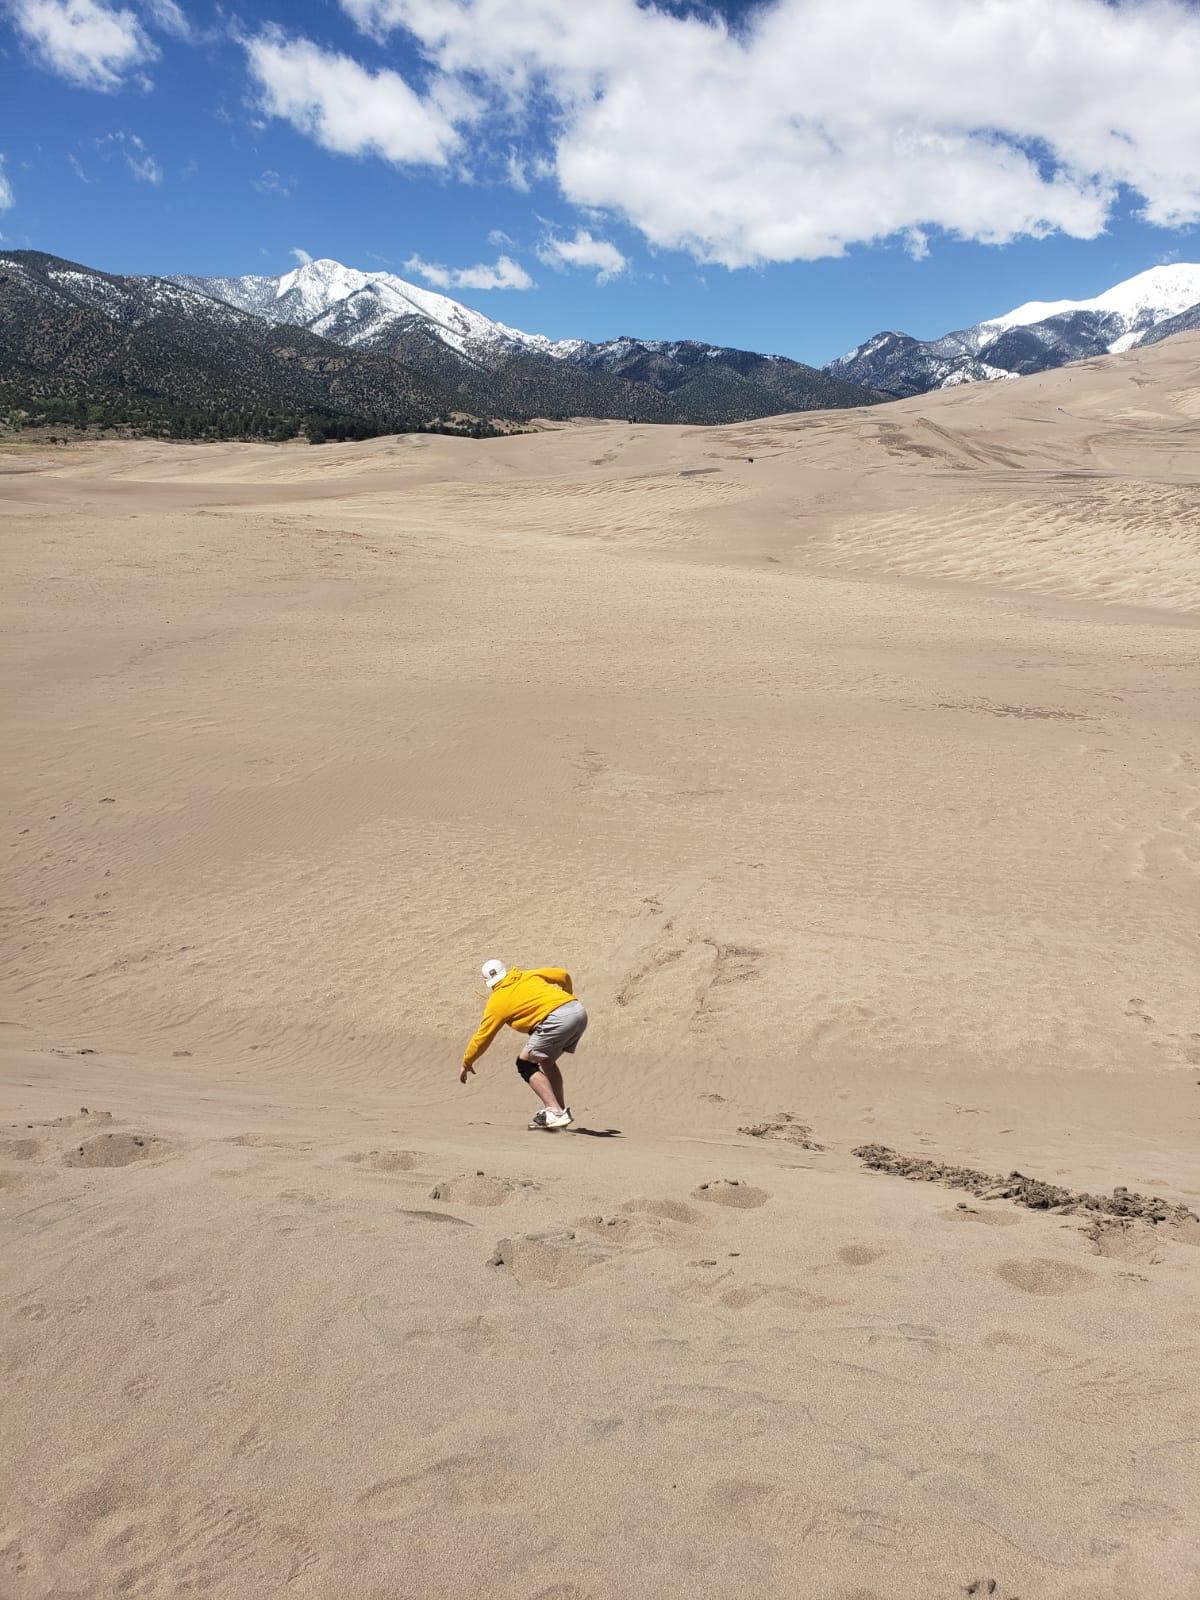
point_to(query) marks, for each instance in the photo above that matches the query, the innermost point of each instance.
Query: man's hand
(462, 1077)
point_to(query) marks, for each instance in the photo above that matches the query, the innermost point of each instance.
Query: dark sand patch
(1031, 1192)
(786, 1128)
(557, 1259)
(478, 1189)
(860, 1255)
(732, 1192)
(114, 1150)
(1044, 1275)
(20, 1149)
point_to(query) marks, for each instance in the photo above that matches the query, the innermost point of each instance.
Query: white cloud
(506, 274)
(818, 124)
(137, 158)
(271, 182)
(6, 194)
(76, 167)
(300, 257)
(346, 108)
(168, 16)
(85, 41)
(143, 166)
(583, 251)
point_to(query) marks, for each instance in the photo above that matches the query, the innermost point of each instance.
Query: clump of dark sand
(1031, 1192)
(732, 1192)
(786, 1127)
(114, 1150)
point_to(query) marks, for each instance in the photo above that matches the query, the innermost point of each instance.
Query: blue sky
(789, 177)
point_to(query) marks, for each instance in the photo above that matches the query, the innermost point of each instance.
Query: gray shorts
(559, 1033)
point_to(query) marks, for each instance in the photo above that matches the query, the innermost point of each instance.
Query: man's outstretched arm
(487, 1030)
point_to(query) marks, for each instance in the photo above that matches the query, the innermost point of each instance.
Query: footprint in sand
(755, 1505)
(164, 1282)
(732, 1192)
(478, 1189)
(385, 1160)
(20, 1149)
(860, 1255)
(114, 1150)
(1042, 1275)
(558, 1259)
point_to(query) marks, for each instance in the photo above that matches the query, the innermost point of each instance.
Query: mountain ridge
(505, 371)
(1033, 337)
(80, 344)
(338, 352)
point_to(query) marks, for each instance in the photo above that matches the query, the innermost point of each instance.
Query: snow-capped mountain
(152, 355)
(1032, 337)
(330, 350)
(127, 301)
(337, 353)
(365, 308)
(1137, 305)
(494, 370)
(501, 370)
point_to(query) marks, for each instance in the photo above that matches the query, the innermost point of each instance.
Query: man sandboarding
(539, 1003)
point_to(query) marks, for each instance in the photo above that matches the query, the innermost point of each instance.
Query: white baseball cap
(493, 971)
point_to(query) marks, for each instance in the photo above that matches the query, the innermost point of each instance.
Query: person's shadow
(599, 1133)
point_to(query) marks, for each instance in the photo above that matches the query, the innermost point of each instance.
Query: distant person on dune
(539, 1003)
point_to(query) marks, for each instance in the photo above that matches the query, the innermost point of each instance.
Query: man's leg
(556, 1082)
(539, 1081)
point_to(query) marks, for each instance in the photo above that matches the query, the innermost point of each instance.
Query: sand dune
(857, 784)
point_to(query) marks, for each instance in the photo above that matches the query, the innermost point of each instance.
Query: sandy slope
(857, 781)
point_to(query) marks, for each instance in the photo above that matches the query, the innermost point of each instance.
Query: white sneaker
(551, 1119)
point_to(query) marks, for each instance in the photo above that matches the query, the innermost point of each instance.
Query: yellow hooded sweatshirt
(522, 999)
